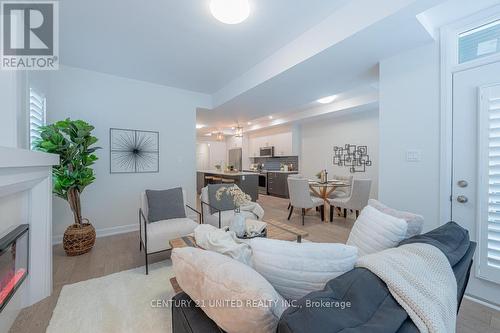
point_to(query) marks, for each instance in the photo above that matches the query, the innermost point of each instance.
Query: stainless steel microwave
(267, 151)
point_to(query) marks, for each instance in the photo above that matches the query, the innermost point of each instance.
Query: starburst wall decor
(133, 151)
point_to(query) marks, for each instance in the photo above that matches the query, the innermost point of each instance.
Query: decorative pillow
(415, 222)
(226, 201)
(165, 204)
(375, 231)
(296, 269)
(232, 294)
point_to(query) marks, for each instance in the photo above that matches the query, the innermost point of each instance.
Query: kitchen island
(247, 181)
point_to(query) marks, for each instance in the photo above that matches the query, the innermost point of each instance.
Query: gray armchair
(211, 214)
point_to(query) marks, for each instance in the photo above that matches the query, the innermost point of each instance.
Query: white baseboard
(479, 301)
(122, 229)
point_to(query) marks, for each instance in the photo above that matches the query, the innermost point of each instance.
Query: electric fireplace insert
(14, 258)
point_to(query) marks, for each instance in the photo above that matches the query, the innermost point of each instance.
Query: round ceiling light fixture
(230, 11)
(327, 99)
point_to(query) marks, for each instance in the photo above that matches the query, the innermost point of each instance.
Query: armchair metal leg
(290, 214)
(345, 212)
(289, 205)
(147, 268)
(322, 212)
(303, 215)
(332, 209)
(140, 245)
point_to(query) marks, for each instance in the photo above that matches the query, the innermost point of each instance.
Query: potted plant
(72, 140)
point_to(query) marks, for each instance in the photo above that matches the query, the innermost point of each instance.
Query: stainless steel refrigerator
(235, 158)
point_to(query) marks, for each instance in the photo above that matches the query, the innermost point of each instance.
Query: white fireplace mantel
(31, 173)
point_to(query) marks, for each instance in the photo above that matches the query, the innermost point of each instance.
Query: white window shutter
(489, 184)
(37, 115)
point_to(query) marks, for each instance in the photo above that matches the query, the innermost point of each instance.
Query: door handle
(462, 199)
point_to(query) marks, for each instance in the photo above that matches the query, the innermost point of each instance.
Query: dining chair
(343, 191)
(358, 199)
(300, 197)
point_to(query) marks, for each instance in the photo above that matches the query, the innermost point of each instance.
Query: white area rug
(120, 302)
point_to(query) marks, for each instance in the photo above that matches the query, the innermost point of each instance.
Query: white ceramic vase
(238, 225)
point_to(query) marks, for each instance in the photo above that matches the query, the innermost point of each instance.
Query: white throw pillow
(415, 221)
(375, 231)
(296, 269)
(232, 294)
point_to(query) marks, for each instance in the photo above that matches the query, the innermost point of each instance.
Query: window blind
(37, 115)
(489, 184)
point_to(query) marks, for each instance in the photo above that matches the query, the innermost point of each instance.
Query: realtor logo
(29, 33)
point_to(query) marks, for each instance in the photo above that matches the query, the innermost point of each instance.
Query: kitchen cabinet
(282, 143)
(277, 184)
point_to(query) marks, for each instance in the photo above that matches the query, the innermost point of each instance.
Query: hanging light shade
(219, 136)
(238, 131)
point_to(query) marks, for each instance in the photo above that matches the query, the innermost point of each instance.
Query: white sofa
(219, 219)
(155, 237)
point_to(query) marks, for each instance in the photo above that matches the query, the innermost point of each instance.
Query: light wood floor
(121, 252)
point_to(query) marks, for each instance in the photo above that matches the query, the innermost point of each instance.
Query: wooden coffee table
(275, 230)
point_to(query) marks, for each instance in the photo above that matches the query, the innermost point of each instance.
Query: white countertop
(239, 173)
(276, 171)
(282, 171)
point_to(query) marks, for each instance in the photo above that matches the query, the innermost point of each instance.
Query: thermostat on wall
(413, 155)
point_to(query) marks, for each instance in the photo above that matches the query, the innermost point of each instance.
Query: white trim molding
(104, 232)
(450, 66)
(30, 173)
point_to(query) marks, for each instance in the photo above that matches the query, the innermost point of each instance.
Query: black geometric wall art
(354, 157)
(134, 151)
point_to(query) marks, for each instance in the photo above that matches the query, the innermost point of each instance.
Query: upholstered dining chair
(300, 197)
(163, 216)
(357, 200)
(342, 192)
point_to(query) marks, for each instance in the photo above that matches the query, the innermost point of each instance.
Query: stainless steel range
(263, 182)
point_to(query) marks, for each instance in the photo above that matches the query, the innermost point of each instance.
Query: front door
(475, 200)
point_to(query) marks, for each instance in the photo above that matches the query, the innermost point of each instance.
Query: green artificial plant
(72, 140)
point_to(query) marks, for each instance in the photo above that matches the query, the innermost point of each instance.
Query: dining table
(323, 190)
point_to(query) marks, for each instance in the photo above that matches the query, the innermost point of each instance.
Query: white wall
(209, 153)
(319, 137)
(12, 129)
(106, 101)
(409, 120)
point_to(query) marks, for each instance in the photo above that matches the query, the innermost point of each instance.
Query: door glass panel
(479, 42)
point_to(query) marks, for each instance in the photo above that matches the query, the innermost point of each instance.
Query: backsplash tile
(274, 163)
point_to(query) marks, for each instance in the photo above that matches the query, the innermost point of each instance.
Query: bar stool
(209, 180)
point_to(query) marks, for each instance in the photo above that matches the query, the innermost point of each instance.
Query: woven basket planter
(78, 239)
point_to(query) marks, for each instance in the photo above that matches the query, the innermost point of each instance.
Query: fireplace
(14, 257)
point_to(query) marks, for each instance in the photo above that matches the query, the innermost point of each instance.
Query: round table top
(330, 183)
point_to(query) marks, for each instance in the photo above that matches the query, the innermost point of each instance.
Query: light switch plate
(413, 155)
